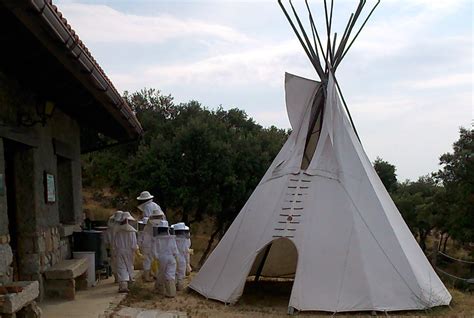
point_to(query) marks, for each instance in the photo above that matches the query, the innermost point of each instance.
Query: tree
(421, 205)
(386, 173)
(199, 163)
(457, 176)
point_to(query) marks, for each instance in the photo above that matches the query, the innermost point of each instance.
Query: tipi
(321, 214)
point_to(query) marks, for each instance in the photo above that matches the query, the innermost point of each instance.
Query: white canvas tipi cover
(353, 251)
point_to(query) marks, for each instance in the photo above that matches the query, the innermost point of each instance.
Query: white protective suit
(125, 244)
(109, 243)
(146, 245)
(188, 255)
(183, 252)
(166, 251)
(148, 207)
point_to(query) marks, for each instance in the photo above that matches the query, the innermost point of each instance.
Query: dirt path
(89, 303)
(265, 299)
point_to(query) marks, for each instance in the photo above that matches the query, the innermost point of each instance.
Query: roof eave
(83, 66)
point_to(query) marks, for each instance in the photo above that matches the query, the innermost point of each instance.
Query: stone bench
(63, 278)
(22, 303)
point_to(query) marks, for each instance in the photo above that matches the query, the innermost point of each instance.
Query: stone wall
(3, 196)
(59, 129)
(62, 129)
(6, 258)
(6, 255)
(39, 242)
(45, 249)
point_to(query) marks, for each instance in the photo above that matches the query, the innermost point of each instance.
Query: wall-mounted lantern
(44, 111)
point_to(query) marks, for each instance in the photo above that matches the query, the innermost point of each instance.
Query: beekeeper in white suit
(183, 251)
(147, 206)
(188, 255)
(113, 221)
(146, 242)
(166, 251)
(125, 244)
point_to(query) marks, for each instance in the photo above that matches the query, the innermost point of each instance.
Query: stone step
(129, 312)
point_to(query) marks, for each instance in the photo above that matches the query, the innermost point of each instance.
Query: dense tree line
(442, 201)
(200, 163)
(203, 163)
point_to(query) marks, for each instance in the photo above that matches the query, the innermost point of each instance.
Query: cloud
(432, 5)
(450, 80)
(383, 107)
(278, 118)
(100, 23)
(402, 26)
(405, 79)
(263, 64)
(414, 132)
(257, 62)
(413, 108)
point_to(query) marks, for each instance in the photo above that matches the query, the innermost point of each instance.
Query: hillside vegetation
(202, 165)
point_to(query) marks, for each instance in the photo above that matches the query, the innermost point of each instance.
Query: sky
(408, 78)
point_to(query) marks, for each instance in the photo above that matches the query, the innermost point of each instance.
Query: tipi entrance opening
(273, 271)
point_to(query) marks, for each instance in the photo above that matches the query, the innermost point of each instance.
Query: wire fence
(467, 280)
(459, 272)
(455, 259)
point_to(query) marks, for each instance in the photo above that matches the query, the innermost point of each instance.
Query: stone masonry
(42, 249)
(6, 258)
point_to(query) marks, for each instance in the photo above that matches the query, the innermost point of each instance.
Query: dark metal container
(91, 241)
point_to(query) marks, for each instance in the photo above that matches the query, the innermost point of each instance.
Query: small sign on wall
(50, 188)
(2, 184)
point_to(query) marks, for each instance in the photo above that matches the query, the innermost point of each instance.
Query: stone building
(55, 103)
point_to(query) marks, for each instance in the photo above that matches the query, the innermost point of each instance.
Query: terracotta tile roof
(79, 49)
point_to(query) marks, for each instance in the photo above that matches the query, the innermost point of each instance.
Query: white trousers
(181, 268)
(113, 262)
(124, 265)
(188, 262)
(147, 258)
(167, 269)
